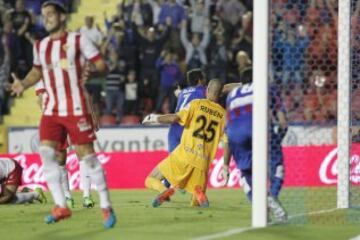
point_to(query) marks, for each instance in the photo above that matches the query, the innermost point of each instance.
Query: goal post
(260, 113)
(301, 197)
(343, 104)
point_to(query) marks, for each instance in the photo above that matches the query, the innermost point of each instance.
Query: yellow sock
(154, 184)
(194, 202)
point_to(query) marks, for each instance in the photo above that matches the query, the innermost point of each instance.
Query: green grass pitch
(174, 220)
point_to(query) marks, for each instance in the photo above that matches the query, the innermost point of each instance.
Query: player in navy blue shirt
(196, 90)
(238, 141)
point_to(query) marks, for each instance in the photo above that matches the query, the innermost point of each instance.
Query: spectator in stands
(242, 38)
(173, 10)
(21, 23)
(170, 76)
(139, 12)
(195, 50)
(199, 15)
(218, 55)
(294, 48)
(150, 47)
(91, 31)
(4, 73)
(156, 8)
(243, 62)
(121, 38)
(13, 44)
(33, 6)
(231, 10)
(131, 94)
(114, 86)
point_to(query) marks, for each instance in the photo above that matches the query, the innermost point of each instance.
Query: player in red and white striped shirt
(61, 154)
(59, 61)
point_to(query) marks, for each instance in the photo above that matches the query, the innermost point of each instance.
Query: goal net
(314, 108)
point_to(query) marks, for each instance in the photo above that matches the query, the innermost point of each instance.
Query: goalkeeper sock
(28, 197)
(97, 176)
(154, 184)
(65, 181)
(85, 179)
(276, 180)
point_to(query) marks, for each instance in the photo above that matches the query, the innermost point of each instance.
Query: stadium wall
(138, 139)
(127, 170)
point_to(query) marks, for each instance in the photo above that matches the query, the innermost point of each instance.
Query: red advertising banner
(304, 167)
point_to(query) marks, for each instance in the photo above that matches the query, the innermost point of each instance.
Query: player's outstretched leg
(29, 196)
(53, 178)
(201, 197)
(162, 197)
(276, 209)
(58, 214)
(96, 172)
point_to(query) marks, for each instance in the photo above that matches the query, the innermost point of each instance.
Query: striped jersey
(61, 62)
(239, 103)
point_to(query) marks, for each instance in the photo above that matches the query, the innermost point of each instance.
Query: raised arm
(230, 86)
(183, 35)
(206, 36)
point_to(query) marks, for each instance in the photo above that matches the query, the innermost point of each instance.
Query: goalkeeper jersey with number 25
(204, 123)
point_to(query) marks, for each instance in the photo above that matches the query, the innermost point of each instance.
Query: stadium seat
(130, 120)
(107, 120)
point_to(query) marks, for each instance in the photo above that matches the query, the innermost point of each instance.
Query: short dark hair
(246, 75)
(194, 75)
(59, 7)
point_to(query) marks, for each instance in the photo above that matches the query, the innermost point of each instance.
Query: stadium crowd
(150, 44)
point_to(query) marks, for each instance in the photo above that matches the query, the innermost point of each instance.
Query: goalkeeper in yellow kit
(187, 166)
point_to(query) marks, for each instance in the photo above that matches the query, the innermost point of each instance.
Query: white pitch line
(234, 231)
(227, 233)
(355, 238)
(313, 213)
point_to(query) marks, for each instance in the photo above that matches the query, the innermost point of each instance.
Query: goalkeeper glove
(225, 175)
(151, 119)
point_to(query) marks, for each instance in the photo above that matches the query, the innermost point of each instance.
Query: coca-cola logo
(328, 170)
(216, 179)
(33, 176)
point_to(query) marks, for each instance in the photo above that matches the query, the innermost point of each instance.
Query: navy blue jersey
(184, 98)
(239, 105)
(239, 125)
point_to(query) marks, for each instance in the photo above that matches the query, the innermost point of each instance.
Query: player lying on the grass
(58, 60)
(10, 180)
(238, 143)
(187, 166)
(61, 155)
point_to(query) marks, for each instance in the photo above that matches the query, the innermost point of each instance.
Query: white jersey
(61, 62)
(6, 167)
